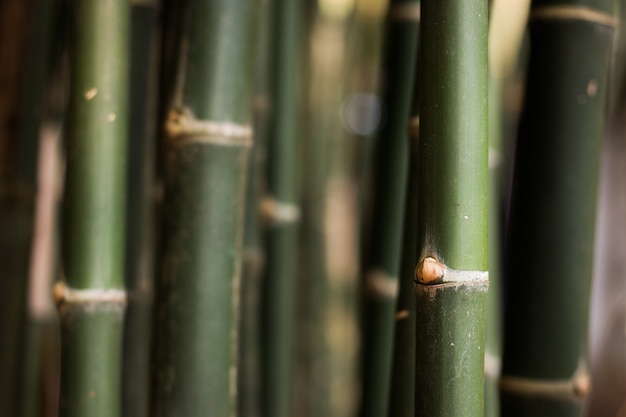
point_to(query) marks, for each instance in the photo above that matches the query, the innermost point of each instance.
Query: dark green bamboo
(392, 157)
(551, 224)
(282, 214)
(451, 285)
(249, 381)
(140, 211)
(402, 387)
(208, 138)
(90, 293)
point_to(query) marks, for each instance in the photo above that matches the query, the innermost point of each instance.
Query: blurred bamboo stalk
(208, 136)
(90, 294)
(552, 211)
(282, 214)
(392, 157)
(140, 206)
(451, 276)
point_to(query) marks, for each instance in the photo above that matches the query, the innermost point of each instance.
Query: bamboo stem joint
(380, 285)
(409, 12)
(92, 297)
(182, 128)
(430, 271)
(279, 212)
(572, 13)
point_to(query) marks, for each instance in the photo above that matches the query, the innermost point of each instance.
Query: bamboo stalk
(392, 156)
(402, 388)
(90, 295)
(208, 137)
(249, 381)
(557, 163)
(281, 208)
(451, 276)
(140, 211)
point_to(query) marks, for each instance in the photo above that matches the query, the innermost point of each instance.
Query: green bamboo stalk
(553, 209)
(208, 137)
(91, 295)
(451, 276)
(249, 381)
(140, 211)
(282, 213)
(392, 157)
(402, 388)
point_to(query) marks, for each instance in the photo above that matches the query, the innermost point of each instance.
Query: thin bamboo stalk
(208, 137)
(451, 276)
(90, 295)
(140, 211)
(392, 157)
(281, 208)
(402, 388)
(553, 209)
(249, 381)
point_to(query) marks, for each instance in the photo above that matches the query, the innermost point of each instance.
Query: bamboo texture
(282, 215)
(551, 224)
(139, 266)
(451, 276)
(90, 294)
(392, 155)
(208, 137)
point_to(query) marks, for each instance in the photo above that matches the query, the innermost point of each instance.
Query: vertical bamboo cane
(552, 215)
(392, 155)
(451, 277)
(208, 137)
(140, 210)
(282, 213)
(90, 295)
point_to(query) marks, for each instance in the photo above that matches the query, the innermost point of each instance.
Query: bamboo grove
(314, 208)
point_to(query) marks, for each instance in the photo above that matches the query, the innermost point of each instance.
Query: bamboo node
(277, 212)
(430, 271)
(410, 12)
(380, 285)
(182, 128)
(572, 13)
(66, 296)
(575, 388)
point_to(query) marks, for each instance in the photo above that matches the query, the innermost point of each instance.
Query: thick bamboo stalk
(392, 157)
(90, 295)
(140, 210)
(281, 208)
(451, 276)
(552, 211)
(208, 137)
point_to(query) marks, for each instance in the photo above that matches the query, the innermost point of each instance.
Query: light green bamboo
(392, 157)
(451, 276)
(282, 215)
(551, 222)
(140, 207)
(90, 293)
(208, 136)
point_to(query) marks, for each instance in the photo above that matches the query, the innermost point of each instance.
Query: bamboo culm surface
(551, 224)
(451, 278)
(90, 294)
(392, 157)
(282, 215)
(208, 136)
